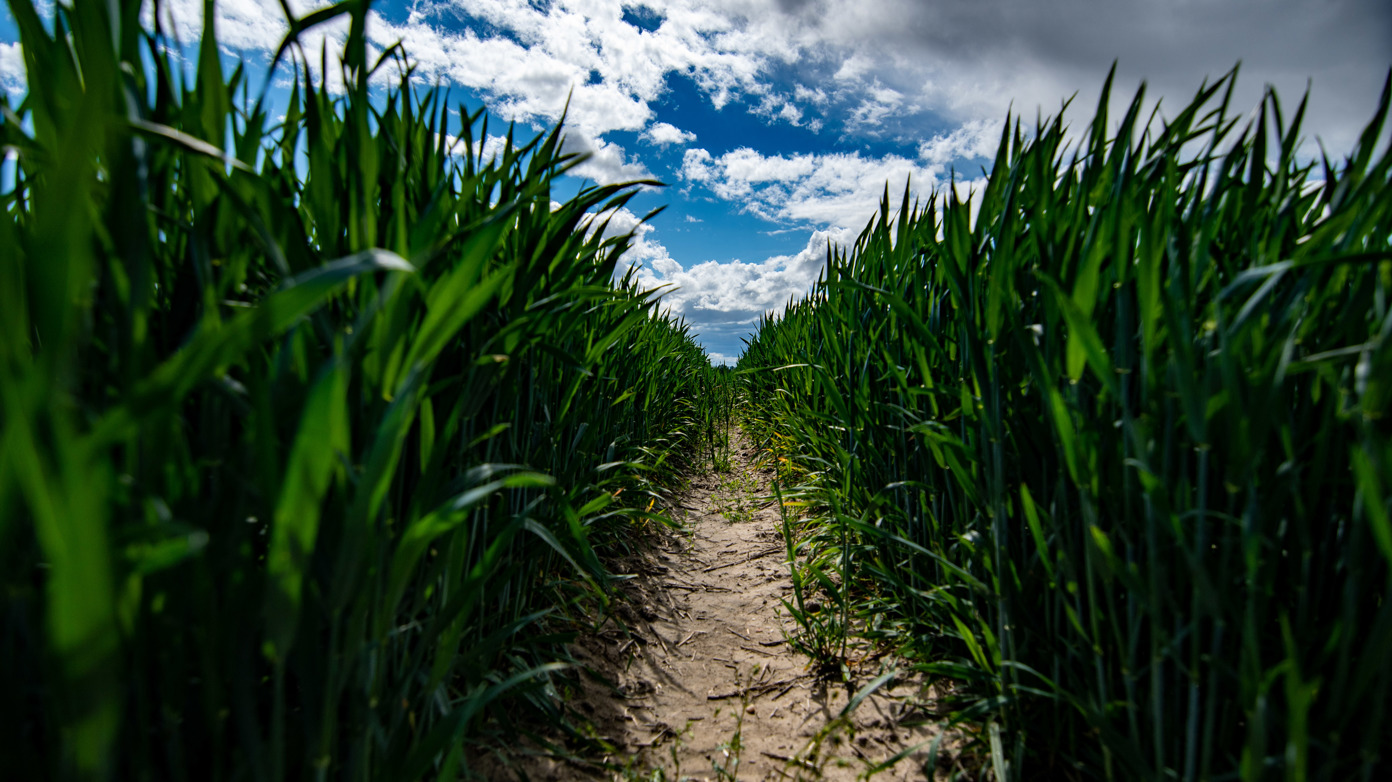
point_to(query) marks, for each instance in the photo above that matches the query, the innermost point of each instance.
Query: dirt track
(706, 686)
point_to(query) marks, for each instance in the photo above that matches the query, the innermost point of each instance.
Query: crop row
(310, 424)
(1109, 443)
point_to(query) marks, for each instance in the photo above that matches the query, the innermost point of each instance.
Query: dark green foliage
(1116, 452)
(308, 426)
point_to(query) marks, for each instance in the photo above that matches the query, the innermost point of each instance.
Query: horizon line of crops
(1115, 454)
(309, 427)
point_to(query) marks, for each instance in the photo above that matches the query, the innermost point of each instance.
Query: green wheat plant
(721, 395)
(310, 425)
(1114, 451)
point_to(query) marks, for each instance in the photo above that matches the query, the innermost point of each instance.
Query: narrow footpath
(705, 685)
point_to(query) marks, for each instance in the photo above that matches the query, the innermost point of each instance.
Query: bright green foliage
(720, 395)
(1116, 451)
(307, 423)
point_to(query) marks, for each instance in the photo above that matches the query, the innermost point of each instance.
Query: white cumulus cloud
(248, 26)
(721, 300)
(587, 53)
(854, 67)
(664, 134)
(743, 289)
(837, 190)
(644, 250)
(606, 162)
(974, 139)
(879, 102)
(12, 69)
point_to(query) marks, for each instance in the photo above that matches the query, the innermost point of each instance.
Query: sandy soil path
(705, 685)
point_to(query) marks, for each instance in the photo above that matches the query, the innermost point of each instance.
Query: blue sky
(777, 123)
